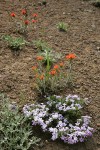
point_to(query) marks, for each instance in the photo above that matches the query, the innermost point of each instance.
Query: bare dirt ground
(82, 38)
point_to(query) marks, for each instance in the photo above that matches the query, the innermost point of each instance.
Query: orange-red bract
(71, 56)
(40, 58)
(34, 68)
(42, 77)
(52, 72)
(61, 64)
(56, 67)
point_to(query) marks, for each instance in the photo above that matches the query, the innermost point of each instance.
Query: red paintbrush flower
(24, 11)
(34, 21)
(12, 14)
(26, 22)
(35, 15)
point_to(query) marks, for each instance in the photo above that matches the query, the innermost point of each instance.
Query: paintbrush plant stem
(70, 72)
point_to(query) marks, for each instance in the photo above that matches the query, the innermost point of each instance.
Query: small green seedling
(62, 26)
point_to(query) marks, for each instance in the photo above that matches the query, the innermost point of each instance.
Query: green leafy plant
(15, 131)
(40, 45)
(62, 26)
(46, 51)
(14, 43)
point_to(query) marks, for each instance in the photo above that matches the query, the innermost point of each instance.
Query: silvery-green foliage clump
(15, 132)
(61, 117)
(14, 43)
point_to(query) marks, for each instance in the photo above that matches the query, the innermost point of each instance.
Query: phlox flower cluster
(71, 102)
(59, 117)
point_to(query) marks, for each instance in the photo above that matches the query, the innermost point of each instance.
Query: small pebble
(41, 145)
(98, 143)
(46, 141)
(98, 124)
(98, 48)
(64, 13)
(39, 3)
